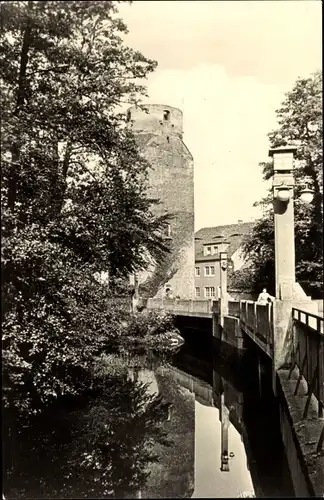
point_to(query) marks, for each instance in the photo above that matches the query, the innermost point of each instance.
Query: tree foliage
(74, 199)
(300, 124)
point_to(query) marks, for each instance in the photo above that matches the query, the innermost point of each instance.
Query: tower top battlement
(159, 119)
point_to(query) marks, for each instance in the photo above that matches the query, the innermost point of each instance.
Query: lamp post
(284, 231)
(223, 281)
(283, 193)
(288, 293)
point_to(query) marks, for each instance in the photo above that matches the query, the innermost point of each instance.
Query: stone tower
(159, 132)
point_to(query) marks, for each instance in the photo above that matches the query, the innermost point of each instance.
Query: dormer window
(210, 249)
(166, 115)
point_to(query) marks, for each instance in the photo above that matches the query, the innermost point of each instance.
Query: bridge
(255, 320)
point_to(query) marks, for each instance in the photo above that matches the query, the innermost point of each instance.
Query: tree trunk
(21, 95)
(66, 161)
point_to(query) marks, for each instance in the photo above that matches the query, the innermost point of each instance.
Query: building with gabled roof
(209, 243)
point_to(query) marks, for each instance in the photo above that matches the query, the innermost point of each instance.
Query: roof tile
(233, 233)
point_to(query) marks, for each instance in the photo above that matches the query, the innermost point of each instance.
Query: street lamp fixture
(223, 260)
(225, 461)
(307, 193)
(283, 193)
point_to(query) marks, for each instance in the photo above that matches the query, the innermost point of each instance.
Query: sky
(227, 65)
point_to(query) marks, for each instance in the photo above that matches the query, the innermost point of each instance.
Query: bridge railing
(309, 355)
(178, 306)
(309, 358)
(234, 308)
(155, 304)
(258, 318)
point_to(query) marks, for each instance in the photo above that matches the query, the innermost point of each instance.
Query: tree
(300, 124)
(74, 199)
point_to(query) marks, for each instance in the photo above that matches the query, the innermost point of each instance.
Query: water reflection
(152, 428)
(218, 444)
(250, 454)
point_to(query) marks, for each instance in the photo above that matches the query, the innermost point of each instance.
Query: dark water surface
(189, 426)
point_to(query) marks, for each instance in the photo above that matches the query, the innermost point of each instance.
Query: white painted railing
(177, 306)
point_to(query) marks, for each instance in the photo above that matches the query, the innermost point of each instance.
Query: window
(215, 250)
(207, 250)
(197, 291)
(209, 270)
(168, 231)
(166, 115)
(209, 292)
(197, 271)
(129, 115)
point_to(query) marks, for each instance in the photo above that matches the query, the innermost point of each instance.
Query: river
(186, 426)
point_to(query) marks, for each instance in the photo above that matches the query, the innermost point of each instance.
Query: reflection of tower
(159, 133)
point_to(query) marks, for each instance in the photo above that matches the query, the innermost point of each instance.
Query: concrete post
(283, 199)
(284, 235)
(288, 293)
(216, 326)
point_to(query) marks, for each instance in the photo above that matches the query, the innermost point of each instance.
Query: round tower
(157, 118)
(159, 133)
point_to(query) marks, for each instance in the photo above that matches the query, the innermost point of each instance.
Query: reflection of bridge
(229, 402)
(203, 391)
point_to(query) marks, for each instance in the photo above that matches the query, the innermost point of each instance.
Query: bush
(150, 323)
